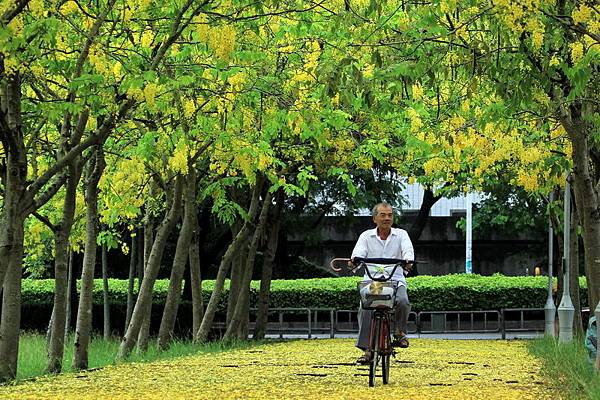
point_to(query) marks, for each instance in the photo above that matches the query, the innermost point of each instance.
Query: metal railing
(332, 321)
(522, 321)
(311, 320)
(413, 318)
(485, 321)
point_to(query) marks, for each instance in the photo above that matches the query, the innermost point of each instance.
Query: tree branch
(98, 137)
(44, 197)
(46, 221)
(10, 14)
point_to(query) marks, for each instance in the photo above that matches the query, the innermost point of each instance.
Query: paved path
(312, 369)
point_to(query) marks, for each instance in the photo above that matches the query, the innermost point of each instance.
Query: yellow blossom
(335, 101)
(179, 161)
(147, 38)
(16, 25)
(403, 21)
(537, 38)
(11, 65)
(117, 69)
(368, 71)
(417, 91)
(237, 81)
(150, 94)
(135, 93)
(69, 7)
(582, 14)
(528, 181)
(447, 6)
(576, 52)
(189, 108)
(37, 8)
(415, 119)
(222, 41)
(38, 70)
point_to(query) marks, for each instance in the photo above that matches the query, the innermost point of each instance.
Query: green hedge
(426, 293)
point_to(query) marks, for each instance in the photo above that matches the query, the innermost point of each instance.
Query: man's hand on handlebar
(339, 264)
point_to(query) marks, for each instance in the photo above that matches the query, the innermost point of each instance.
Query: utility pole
(469, 239)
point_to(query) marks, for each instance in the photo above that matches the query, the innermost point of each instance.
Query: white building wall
(413, 193)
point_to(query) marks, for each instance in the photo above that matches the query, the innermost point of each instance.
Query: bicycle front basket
(377, 294)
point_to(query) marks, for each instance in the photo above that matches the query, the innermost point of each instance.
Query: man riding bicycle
(384, 242)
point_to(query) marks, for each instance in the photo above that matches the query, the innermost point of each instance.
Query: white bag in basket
(376, 288)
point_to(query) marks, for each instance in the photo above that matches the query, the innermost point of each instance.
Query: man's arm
(360, 248)
(406, 247)
(407, 251)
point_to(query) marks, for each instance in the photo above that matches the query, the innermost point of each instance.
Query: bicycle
(378, 295)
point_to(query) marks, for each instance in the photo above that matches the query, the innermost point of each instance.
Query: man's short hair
(374, 211)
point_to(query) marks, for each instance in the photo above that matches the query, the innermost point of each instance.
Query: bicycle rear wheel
(385, 368)
(375, 351)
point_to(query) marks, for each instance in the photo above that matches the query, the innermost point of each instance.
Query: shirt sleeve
(406, 247)
(360, 248)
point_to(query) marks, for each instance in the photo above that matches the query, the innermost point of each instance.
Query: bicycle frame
(380, 344)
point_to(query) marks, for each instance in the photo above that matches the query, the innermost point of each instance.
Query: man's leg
(364, 325)
(402, 312)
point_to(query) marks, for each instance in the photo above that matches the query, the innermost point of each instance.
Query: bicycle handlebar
(389, 261)
(357, 262)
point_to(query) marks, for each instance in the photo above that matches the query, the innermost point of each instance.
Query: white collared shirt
(397, 245)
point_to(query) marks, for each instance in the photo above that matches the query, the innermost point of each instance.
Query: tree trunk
(144, 301)
(167, 325)
(260, 328)
(14, 181)
(131, 280)
(416, 229)
(139, 272)
(61, 238)
(70, 286)
(236, 273)
(574, 271)
(196, 280)
(105, 294)
(586, 195)
(11, 305)
(559, 266)
(83, 327)
(241, 310)
(235, 282)
(211, 308)
(144, 333)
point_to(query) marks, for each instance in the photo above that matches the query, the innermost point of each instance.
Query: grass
(567, 366)
(32, 353)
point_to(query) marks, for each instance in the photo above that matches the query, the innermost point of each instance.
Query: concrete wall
(441, 245)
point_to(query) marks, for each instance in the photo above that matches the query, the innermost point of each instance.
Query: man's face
(384, 217)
